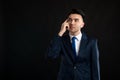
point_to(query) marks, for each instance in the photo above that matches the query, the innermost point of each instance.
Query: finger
(66, 21)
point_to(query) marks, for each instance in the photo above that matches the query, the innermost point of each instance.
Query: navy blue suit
(85, 67)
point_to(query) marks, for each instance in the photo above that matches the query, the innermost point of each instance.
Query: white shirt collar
(78, 36)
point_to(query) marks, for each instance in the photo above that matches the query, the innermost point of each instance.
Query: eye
(76, 20)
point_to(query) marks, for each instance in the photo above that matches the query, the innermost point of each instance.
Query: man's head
(75, 20)
(77, 11)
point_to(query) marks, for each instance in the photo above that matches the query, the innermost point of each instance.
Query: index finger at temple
(65, 21)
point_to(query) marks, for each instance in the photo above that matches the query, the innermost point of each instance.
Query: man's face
(75, 22)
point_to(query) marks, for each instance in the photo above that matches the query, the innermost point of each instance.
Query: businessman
(79, 52)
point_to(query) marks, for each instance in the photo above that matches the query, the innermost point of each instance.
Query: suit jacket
(85, 67)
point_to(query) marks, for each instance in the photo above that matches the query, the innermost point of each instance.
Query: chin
(72, 31)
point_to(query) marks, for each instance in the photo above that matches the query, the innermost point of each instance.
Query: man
(79, 58)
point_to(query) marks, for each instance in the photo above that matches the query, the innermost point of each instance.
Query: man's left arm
(95, 61)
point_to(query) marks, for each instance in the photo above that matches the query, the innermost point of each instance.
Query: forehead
(75, 16)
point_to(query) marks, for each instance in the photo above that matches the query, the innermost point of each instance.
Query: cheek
(78, 26)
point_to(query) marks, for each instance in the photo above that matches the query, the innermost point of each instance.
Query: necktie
(74, 46)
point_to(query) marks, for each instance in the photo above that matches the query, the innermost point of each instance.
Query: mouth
(71, 27)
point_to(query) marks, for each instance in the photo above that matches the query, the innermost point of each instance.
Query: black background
(26, 28)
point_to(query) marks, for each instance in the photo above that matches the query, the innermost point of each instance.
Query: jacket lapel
(68, 46)
(83, 44)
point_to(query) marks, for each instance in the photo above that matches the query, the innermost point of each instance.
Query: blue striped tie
(74, 46)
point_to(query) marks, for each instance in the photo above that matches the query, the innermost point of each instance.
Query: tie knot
(73, 38)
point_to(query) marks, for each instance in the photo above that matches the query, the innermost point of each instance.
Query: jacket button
(74, 67)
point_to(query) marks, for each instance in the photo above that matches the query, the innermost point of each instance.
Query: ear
(82, 25)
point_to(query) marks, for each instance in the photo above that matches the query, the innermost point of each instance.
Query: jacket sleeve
(95, 61)
(54, 47)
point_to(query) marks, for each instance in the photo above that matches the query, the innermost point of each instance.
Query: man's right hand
(64, 27)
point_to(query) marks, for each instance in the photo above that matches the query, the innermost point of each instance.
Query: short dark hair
(77, 11)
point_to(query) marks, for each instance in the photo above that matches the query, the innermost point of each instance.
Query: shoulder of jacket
(91, 38)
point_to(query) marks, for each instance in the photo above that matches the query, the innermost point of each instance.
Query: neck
(75, 33)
